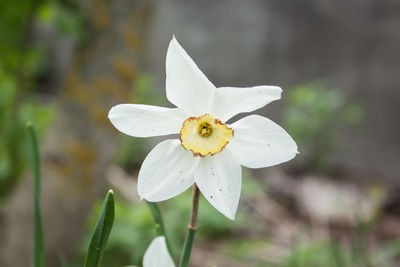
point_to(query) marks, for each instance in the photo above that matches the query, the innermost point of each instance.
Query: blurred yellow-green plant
(315, 115)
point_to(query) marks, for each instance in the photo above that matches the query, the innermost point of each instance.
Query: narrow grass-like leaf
(33, 151)
(102, 232)
(160, 229)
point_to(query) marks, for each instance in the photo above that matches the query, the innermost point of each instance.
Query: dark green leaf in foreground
(101, 233)
(38, 255)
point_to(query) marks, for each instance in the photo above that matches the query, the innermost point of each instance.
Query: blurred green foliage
(19, 65)
(315, 115)
(326, 253)
(66, 17)
(134, 227)
(319, 254)
(333, 254)
(12, 136)
(23, 65)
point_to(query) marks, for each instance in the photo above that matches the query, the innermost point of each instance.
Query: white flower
(209, 152)
(157, 254)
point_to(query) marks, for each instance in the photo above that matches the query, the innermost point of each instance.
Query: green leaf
(101, 233)
(38, 255)
(160, 229)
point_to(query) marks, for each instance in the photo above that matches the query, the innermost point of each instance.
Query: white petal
(167, 171)
(187, 87)
(229, 101)
(157, 254)
(259, 142)
(219, 179)
(145, 120)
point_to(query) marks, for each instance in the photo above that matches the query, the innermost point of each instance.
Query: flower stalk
(192, 227)
(195, 207)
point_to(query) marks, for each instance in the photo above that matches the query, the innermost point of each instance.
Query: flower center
(205, 135)
(205, 129)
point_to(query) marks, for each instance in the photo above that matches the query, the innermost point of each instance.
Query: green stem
(38, 254)
(160, 229)
(192, 227)
(187, 248)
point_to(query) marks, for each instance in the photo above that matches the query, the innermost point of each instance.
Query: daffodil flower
(209, 152)
(157, 254)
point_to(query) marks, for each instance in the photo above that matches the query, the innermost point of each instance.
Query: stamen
(205, 129)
